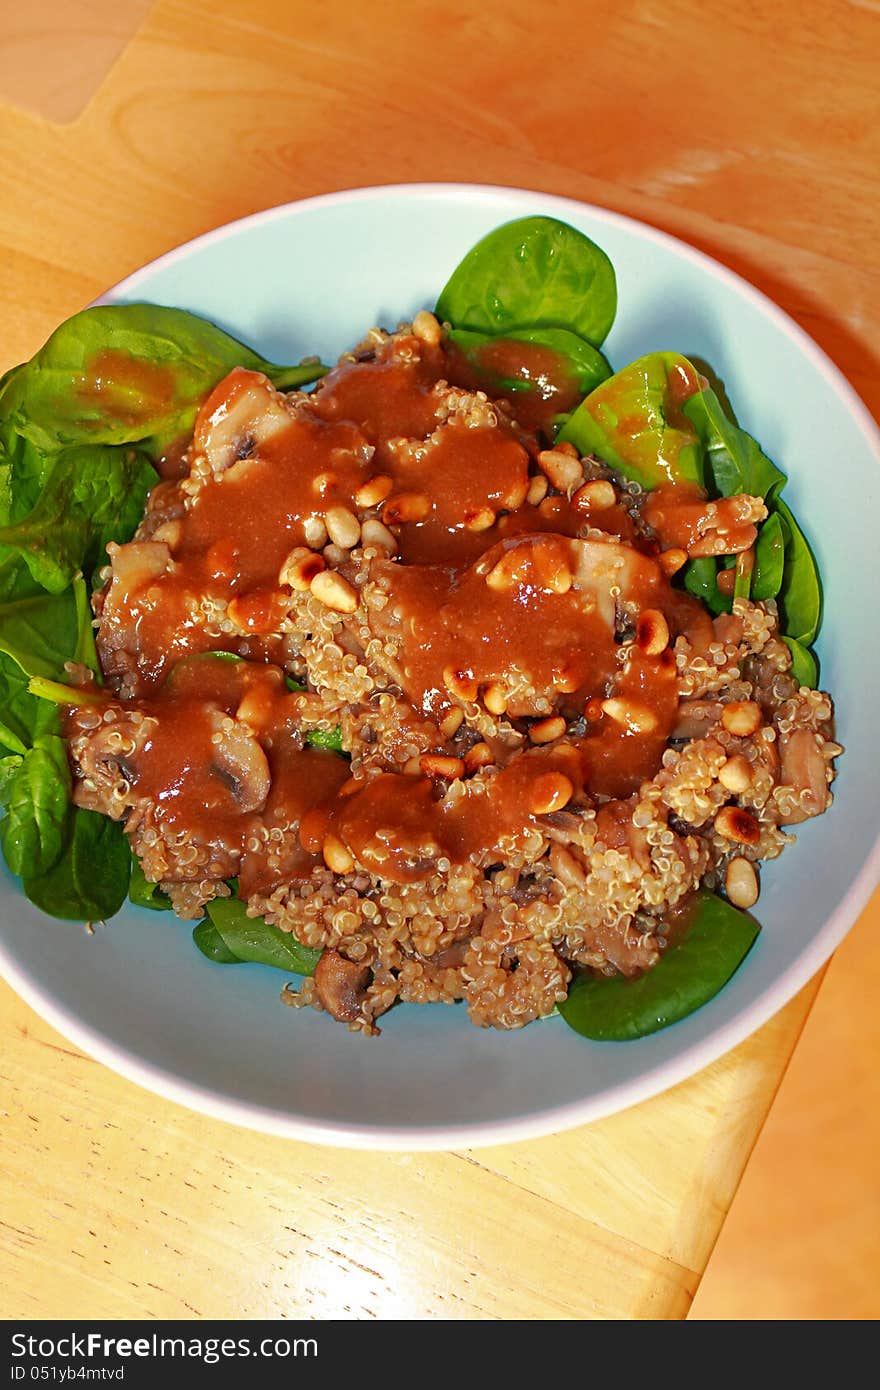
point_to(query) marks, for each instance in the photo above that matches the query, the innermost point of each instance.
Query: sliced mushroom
(241, 762)
(241, 413)
(803, 768)
(342, 986)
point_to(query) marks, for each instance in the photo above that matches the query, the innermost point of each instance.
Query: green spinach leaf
(143, 893)
(577, 363)
(769, 559)
(252, 939)
(92, 495)
(35, 829)
(128, 373)
(212, 945)
(89, 882)
(634, 422)
(686, 977)
(535, 272)
(800, 596)
(804, 667)
(736, 461)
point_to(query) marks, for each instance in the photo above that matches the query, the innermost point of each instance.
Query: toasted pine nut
(333, 590)
(460, 684)
(343, 527)
(406, 506)
(537, 490)
(567, 868)
(300, 568)
(315, 532)
(652, 632)
(736, 774)
(671, 561)
(480, 520)
(566, 448)
(337, 856)
(480, 755)
(373, 491)
(435, 765)
(516, 495)
(635, 717)
(426, 327)
(564, 472)
(495, 698)
(450, 726)
(741, 717)
(596, 496)
(546, 730)
(550, 792)
(735, 823)
(375, 534)
(741, 883)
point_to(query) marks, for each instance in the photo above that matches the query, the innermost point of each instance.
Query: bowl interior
(313, 277)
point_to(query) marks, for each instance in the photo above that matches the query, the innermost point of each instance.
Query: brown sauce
(534, 381)
(489, 598)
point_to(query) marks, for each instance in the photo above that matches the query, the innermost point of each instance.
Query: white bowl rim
(614, 1098)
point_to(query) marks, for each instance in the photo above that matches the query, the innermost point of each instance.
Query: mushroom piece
(342, 986)
(805, 769)
(241, 413)
(240, 762)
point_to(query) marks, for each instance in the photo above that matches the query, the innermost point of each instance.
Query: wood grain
(748, 130)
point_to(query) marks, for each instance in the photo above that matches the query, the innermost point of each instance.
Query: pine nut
(435, 765)
(343, 527)
(406, 506)
(300, 568)
(736, 774)
(374, 491)
(426, 328)
(495, 698)
(566, 448)
(480, 520)
(375, 534)
(734, 823)
(480, 755)
(652, 632)
(537, 490)
(550, 792)
(567, 867)
(596, 496)
(637, 718)
(315, 532)
(741, 717)
(461, 685)
(546, 730)
(741, 883)
(337, 856)
(563, 471)
(516, 495)
(334, 591)
(450, 726)
(671, 561)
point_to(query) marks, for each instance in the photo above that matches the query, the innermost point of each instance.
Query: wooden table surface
(750, 131)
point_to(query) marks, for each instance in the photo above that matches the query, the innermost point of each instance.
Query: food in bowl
(459, 677)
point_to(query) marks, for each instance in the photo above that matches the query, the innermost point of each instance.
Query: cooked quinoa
(549, 745)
